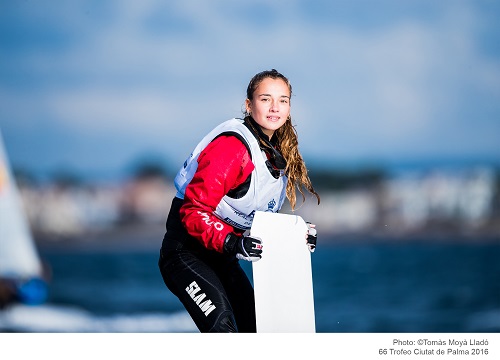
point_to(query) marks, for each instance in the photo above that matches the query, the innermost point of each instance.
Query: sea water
(358, 287)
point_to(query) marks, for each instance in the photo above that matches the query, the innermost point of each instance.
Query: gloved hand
(311, 236)
(247, 248)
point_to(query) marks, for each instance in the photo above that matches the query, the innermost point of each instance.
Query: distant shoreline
(148, 237)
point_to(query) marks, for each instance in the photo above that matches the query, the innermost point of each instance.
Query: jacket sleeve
(223, 165)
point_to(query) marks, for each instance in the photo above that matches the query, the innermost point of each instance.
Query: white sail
(18, 255)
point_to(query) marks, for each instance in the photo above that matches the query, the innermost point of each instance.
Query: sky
(95, 86)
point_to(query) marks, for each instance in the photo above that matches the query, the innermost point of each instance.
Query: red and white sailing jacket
(221, 162)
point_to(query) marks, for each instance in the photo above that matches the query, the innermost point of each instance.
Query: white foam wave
(51, 318)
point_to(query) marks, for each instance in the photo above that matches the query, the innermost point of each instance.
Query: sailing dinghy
(21, 269)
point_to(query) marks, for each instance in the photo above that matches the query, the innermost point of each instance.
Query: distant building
(460, 201)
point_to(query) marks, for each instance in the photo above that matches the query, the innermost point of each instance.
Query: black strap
(279, 161)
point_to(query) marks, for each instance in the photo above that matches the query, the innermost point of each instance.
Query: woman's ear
(248, 106)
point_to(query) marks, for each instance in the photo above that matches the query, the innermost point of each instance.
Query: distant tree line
(337, 179)
(323, 178)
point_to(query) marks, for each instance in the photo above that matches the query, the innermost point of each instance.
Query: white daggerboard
(284, 300)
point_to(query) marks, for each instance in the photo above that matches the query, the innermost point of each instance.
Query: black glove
(312, 236)
(247, 248)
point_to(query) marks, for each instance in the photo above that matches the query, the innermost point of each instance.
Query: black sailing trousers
(212, 286)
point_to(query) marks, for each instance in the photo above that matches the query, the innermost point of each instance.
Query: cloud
(401, 90)
(168, 72)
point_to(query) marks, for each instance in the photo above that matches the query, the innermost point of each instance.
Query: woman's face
(270, 106)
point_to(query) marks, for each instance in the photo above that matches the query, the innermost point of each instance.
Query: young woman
(240, 167)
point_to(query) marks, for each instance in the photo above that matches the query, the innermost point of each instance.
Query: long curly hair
(288, 144)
